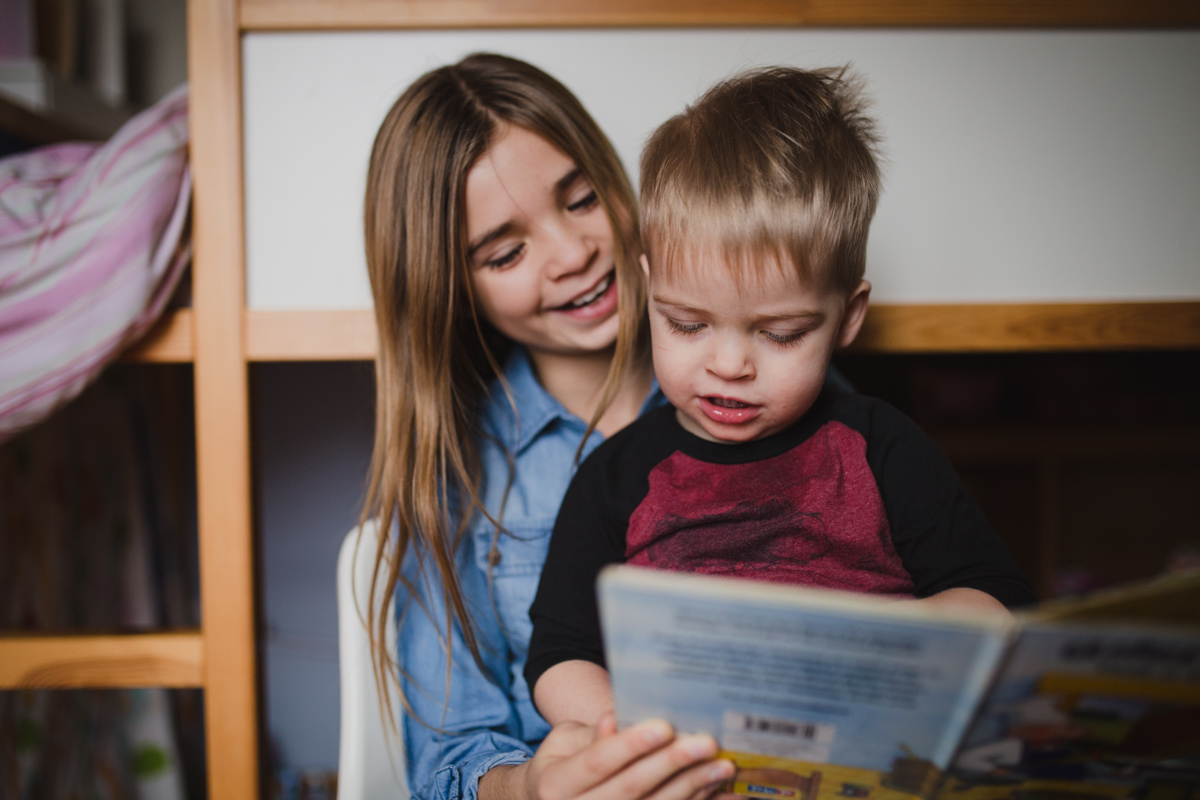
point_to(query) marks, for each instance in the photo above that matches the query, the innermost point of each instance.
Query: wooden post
(222, 401)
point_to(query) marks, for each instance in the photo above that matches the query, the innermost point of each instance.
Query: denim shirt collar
(539, 409)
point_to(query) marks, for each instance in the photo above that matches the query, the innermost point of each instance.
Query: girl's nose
(730, 358)
(571, 253)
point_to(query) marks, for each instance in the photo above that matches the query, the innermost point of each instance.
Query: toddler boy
(756, 203)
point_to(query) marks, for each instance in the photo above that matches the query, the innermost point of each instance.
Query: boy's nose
(730, 359)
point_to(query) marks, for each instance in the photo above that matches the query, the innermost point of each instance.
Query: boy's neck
(576, 381)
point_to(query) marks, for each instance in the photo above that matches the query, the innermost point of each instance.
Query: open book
(818, 694)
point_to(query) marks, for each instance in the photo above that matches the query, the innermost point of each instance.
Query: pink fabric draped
(92, 243)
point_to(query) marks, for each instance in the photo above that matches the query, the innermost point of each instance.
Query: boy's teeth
(724, 403)
(592, 295)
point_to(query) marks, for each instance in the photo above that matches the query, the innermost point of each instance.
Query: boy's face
(744, 356)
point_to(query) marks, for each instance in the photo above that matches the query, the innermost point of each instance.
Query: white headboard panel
(1023, 166)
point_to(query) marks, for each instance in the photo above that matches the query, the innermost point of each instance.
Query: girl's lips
(728, 411)
(602, 306)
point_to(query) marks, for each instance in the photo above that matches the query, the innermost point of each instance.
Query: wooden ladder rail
(227, 573)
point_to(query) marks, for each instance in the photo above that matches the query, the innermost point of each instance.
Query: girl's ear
(856, 312)
(645, 262)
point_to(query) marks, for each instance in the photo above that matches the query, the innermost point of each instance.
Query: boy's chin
(718, 432)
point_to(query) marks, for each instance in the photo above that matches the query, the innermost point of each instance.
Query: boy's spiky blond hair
(773, 166)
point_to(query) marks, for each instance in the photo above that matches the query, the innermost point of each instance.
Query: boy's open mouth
(725, 402)
(595, 294)
(728, 411)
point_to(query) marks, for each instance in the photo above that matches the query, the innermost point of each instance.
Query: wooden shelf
(168, 342)
(370, 14)
(1000, 328)
(269, 336)
(133, 660)
(310, 335)
(996, 328)
(1029, 327)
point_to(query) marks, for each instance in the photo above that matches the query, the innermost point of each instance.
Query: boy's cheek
(671, 378)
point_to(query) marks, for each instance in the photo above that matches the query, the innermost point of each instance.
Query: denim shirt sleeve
(472, 725)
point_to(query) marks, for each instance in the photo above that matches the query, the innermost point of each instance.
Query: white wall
(1022, 165)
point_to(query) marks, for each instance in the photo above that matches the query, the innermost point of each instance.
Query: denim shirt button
(495, 556)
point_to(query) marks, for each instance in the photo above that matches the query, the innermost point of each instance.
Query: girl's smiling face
(541, 248)
(742, 356)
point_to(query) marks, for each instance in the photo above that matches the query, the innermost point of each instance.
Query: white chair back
(366, 768)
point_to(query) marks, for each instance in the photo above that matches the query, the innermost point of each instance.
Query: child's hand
(644, 762)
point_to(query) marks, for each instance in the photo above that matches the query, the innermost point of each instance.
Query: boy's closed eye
(685, 328)
(785, 339)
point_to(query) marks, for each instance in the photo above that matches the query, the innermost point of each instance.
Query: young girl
(501, 241)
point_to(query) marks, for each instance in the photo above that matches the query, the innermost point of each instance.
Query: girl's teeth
(591, 296)
(721, 401)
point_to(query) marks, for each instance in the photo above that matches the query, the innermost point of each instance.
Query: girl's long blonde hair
(436, 355)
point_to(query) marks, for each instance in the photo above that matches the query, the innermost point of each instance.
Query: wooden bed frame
(221, 337)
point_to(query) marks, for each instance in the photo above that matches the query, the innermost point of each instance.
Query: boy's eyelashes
(785, 339)
(685, 328)
(691, 328)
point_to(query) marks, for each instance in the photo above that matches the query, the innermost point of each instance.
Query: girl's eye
(587, 201)
(683, 328)
(507, 258)
(784, 339)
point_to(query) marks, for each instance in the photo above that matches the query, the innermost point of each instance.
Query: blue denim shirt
(480, 715)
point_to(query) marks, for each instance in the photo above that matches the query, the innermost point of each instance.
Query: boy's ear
(645, 262)
(856, 312)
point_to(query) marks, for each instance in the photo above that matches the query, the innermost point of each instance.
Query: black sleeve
(588, 535)
(939, 532)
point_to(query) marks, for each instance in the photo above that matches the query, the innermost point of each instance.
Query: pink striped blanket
(93, 239)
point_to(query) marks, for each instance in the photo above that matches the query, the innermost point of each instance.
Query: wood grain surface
(170, 341)
(101, 661)
(372, 14)
(889, 328)
(1029, 327)
(310, 335)
(223, 491)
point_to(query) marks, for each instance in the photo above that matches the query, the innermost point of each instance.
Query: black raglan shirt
(854, 496)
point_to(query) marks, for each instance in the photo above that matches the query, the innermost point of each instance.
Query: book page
(796, 683)
(1088, 710)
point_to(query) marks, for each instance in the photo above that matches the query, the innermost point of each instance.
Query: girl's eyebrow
(491, 236)
(565, 181)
